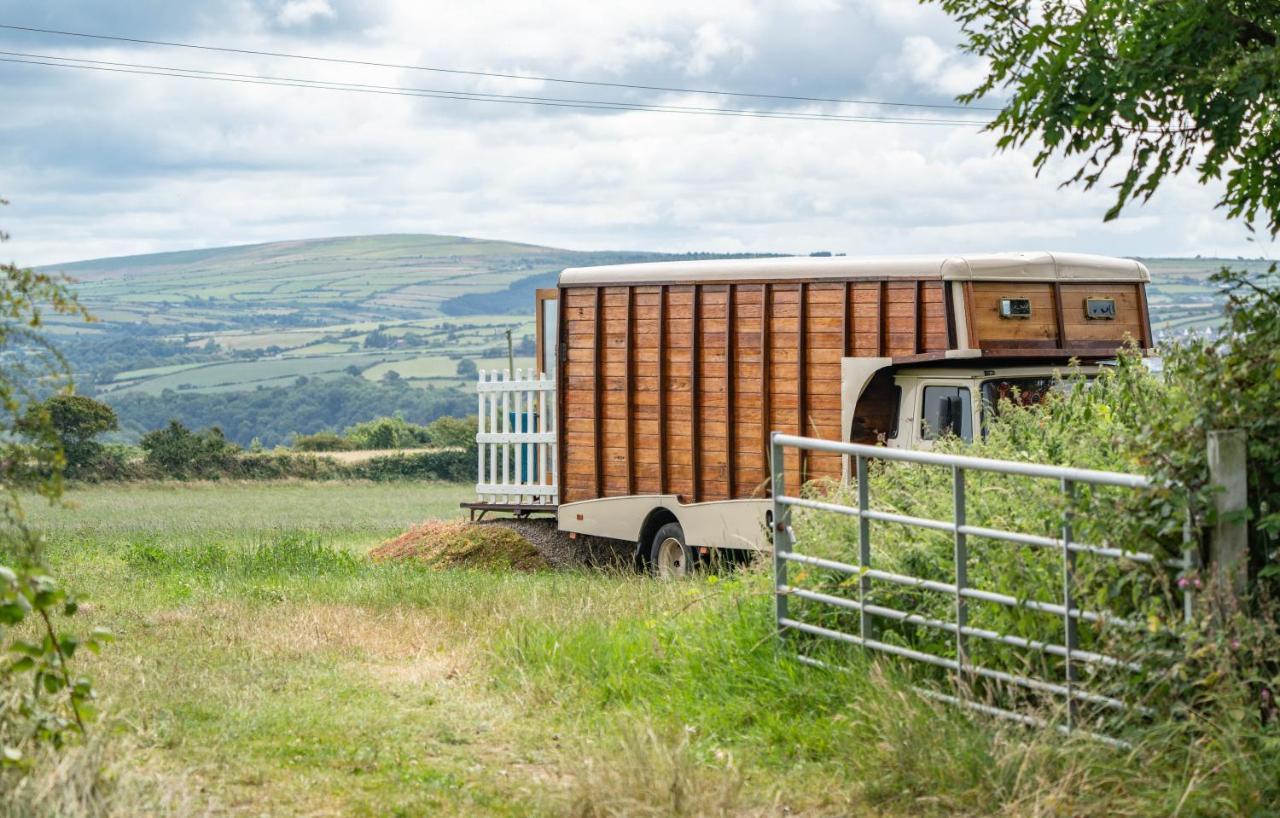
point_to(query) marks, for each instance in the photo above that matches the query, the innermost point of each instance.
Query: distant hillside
(206, 325)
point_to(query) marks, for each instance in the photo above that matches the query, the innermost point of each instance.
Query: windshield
(1019, 391)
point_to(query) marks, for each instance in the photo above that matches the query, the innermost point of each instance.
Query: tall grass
(859, 740)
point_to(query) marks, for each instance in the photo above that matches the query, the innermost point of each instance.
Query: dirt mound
(456, 543)
(561, 551)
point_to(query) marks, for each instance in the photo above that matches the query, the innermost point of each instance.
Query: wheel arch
(653, 521)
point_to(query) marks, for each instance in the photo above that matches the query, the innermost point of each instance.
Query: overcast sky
(99, 164)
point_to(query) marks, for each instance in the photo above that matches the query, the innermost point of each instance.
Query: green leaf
(27, 648)
(22, 665)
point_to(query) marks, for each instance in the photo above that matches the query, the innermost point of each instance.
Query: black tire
(670, 557)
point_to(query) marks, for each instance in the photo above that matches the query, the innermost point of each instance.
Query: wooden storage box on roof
(672, 376)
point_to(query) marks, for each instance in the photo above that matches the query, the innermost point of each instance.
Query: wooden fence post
(1229, 539)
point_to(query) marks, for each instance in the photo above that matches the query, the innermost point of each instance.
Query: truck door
(944, 409)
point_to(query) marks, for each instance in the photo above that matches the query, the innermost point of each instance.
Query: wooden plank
(562, 344)
(949, 310)
(729, 395)
(882, 340)
(598, 338)
(766, 409)
(695, 385)
(662, 390)
(801, 380)
(846, 331)
(631, 391)
(917, 314)
(970, 324)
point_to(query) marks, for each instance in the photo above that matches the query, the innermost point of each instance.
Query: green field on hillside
(240, 319)
(263, 315)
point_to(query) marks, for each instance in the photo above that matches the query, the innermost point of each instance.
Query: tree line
(275, 415)
(443, 449)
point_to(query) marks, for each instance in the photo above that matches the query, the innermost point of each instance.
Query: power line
(495, 74)
(326, 85)
(476, 95)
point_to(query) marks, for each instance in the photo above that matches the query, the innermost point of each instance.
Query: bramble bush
(1222, 666)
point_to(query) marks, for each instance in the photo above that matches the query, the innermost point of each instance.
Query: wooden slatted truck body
(670, 377)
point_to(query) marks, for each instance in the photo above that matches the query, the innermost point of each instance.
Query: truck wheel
(670, 556)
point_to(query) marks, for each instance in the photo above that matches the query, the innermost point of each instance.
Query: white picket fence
(517, 439)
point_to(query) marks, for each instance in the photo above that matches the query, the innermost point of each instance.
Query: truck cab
(933, 402)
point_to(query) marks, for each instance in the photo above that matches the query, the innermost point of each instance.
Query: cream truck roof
(1037, 266)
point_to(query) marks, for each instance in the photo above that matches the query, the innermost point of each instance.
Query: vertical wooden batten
(1059, 319)
(949, 310)
(882, 299)
(802, 381)
(766, 404)
(970, 320)
(846, 330)
(630, 373)
(561, 398)
(662, 390)
(730, 375)
(597, 362)
(695, 396)
(917, 318)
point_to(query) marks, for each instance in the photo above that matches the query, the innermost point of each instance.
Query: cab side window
(946, 410)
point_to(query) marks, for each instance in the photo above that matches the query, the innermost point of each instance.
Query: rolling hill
(400, 308)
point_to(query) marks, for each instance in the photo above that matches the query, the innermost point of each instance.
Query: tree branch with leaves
(41, 700)
(1145, 88)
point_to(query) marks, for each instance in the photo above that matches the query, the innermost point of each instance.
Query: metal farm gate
(1066, 689)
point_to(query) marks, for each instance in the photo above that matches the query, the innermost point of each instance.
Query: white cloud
(712, 48)
(929, 64)
(301, 12)
(171, 164)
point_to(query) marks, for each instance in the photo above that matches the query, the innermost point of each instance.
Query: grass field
(264, 666)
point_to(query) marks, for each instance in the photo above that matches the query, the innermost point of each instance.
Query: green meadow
(263, 665)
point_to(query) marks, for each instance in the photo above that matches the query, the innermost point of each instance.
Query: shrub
(322, 442)
(452, 432)
(454, 465)
(386, 433)
(177, 451)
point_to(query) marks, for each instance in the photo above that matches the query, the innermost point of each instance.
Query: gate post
(1229, 539)
(781, 531)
